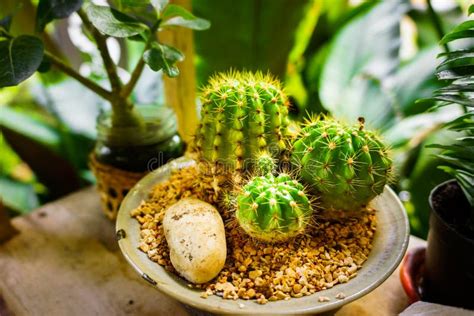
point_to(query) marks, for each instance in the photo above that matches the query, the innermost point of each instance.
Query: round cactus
(264, 164)
(242, 114)
(273, 209)
(346, 165)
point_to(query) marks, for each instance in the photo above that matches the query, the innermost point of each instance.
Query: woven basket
(113, 185)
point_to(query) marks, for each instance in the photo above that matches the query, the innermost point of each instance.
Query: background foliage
(349, 58)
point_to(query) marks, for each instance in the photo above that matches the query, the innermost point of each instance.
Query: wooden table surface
(65, 261)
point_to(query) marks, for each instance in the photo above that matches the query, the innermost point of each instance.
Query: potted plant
(299, 208)
(129, 136)
(444, 270)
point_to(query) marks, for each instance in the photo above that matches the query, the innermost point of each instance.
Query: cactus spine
(346, 165)
(242, 114)
(273, 209)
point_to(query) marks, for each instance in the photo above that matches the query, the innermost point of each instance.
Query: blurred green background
(348, 58)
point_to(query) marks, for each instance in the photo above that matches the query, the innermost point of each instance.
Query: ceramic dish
(389, 246)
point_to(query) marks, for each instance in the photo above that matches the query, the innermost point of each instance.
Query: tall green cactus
(273, 209)
(346, 165)
(242, 114)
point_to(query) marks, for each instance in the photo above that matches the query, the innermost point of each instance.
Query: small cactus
(273, 209)
(346, 165)
(242, 114)
(264, 164)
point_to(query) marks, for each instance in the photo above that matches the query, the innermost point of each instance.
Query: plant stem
(128, 88)
(124, 113)
(74, 74)
(437, 24)
(104, 52)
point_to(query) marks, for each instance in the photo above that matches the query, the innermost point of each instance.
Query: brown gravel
(329, 254)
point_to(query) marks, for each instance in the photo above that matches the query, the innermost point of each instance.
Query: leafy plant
(457, 69)
(23, 55)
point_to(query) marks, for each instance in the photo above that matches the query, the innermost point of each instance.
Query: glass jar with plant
(449, 258)
(129, 136)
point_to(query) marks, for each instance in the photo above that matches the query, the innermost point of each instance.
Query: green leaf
(159, 5)
(45, 65)
(49, 167)
(464, 30)
(470, 10)
(20, 197)
(163, 57)
(263, 42)
(458, 99)
(114, 23)
(24, 124)
(462, 122)
(133, 3)
(457, 58)
(459, 34)
(175, 15)
(197, 24)
(49, 10)
(362, 56)
(176, 10)
(418, 126)
(19, 59)
(414, 80)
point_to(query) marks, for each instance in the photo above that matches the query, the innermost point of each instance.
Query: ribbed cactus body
(242, 114)
(346, 165)
(273, 209)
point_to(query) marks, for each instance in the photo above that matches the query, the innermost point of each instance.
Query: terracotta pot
(411, 272)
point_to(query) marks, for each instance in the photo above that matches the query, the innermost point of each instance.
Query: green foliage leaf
(470, 10)
(49, 10)
(114, 23)
(458, 69)
(362, 56)
(163, 57)
(455, 56)
(20, 197)
(24, 124)
(45, 65)
(457, 35)
(263, 43)
(133, 3)
(159, 5)
(20, 57)
(462, 31)
(175, 15)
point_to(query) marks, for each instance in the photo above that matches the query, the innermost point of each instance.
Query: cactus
(264, 164)
(346, 165)
(242, 114)
(273, 209)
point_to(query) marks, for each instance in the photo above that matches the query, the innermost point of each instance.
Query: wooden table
(65, 261)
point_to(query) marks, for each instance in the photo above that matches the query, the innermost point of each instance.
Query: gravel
(329, 253)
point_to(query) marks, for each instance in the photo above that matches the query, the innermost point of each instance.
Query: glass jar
(139, 148)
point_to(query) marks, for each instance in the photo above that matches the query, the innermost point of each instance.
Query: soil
(454, 208)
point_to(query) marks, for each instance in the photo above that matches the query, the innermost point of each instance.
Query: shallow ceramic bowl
(389, 246)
